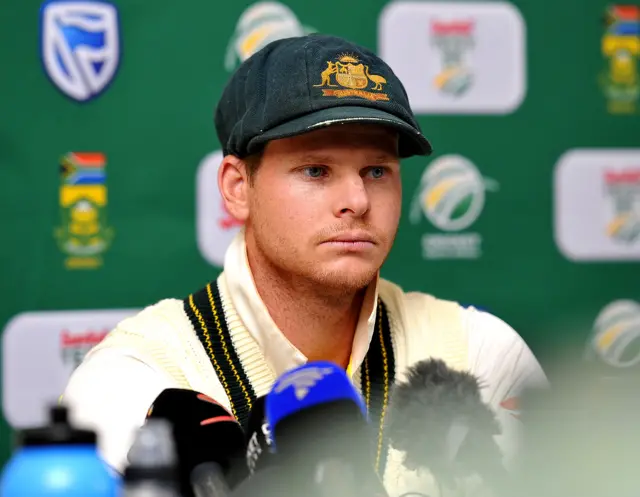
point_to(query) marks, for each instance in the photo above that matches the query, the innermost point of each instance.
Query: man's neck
(320, 324)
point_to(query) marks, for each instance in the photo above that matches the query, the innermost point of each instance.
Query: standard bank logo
(40, 351)
(80, 46)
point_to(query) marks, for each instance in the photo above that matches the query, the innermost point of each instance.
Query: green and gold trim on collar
(377, 378)
(377, 373)
(206, 314)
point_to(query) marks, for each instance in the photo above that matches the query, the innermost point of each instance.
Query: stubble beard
(299, 270)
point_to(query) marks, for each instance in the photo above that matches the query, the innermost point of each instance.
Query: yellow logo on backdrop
(84, 234)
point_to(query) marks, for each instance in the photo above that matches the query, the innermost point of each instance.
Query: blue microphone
(321, 435)
(314, 390)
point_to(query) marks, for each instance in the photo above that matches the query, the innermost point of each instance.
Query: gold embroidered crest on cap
(350, 73)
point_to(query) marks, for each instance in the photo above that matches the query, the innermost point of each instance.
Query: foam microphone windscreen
(438, 419)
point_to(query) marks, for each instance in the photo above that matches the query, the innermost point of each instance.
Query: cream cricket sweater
(118, 380)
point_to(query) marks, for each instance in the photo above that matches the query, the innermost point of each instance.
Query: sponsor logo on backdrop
(597, 204)
(84, 234)
(451, 196)
(615, 339)
(74, 346)
(454, 40)
(40, 350)
(259, 25)
(623, 189)
(215, 227)
(80, 46)
(456, 57)
(621, 49)
(349, 72)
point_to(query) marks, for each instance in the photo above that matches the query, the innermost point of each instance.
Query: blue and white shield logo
(80, 46)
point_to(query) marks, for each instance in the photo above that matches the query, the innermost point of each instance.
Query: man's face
(325, 205)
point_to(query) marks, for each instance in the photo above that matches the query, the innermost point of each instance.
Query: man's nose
(351, 198)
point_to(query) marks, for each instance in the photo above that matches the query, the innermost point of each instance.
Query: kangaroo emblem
(326, 74)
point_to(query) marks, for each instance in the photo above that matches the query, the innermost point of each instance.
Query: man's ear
(234, 185)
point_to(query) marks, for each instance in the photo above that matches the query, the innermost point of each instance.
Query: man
(313, 129)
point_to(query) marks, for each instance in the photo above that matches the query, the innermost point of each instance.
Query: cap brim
(411, 141)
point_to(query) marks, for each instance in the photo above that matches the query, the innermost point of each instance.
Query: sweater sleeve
(111, 392)
(505, 366)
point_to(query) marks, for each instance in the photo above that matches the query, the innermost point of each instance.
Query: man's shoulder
(483, 324)
(494, 349)
(471, 316)
(163, 315)
(414, 302)
(426, 311)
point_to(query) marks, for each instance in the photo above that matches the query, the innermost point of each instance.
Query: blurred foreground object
(581, 436)
(58, 460)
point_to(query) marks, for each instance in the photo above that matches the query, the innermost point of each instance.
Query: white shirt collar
(280, 353)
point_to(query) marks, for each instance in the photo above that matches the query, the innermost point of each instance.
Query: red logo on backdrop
(75, 346)
(623, 189)
(228, 221)
(454, 39)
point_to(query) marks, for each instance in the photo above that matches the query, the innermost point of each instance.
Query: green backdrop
(154, 124)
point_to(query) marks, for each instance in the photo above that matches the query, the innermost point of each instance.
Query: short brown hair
(251, 163)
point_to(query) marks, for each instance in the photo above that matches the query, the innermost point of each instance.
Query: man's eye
(314, 171)
(377, 172)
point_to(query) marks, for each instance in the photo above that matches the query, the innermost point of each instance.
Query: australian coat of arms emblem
(354, 78)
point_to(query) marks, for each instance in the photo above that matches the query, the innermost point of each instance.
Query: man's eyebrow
(316, 158)
(382, 159)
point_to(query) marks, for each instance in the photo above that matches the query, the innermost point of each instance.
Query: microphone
(153, 462)
(259, 453)
(209, 441)
(315, 403)
(439, 421)
(320, 432)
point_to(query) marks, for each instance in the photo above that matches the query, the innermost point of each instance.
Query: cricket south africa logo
(259, 25)
(451, 196)
(616, 334)
(623, 189)
(454, 39)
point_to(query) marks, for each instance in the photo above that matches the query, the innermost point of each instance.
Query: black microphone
(209, 441)
(260, 452)
(438, 420)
